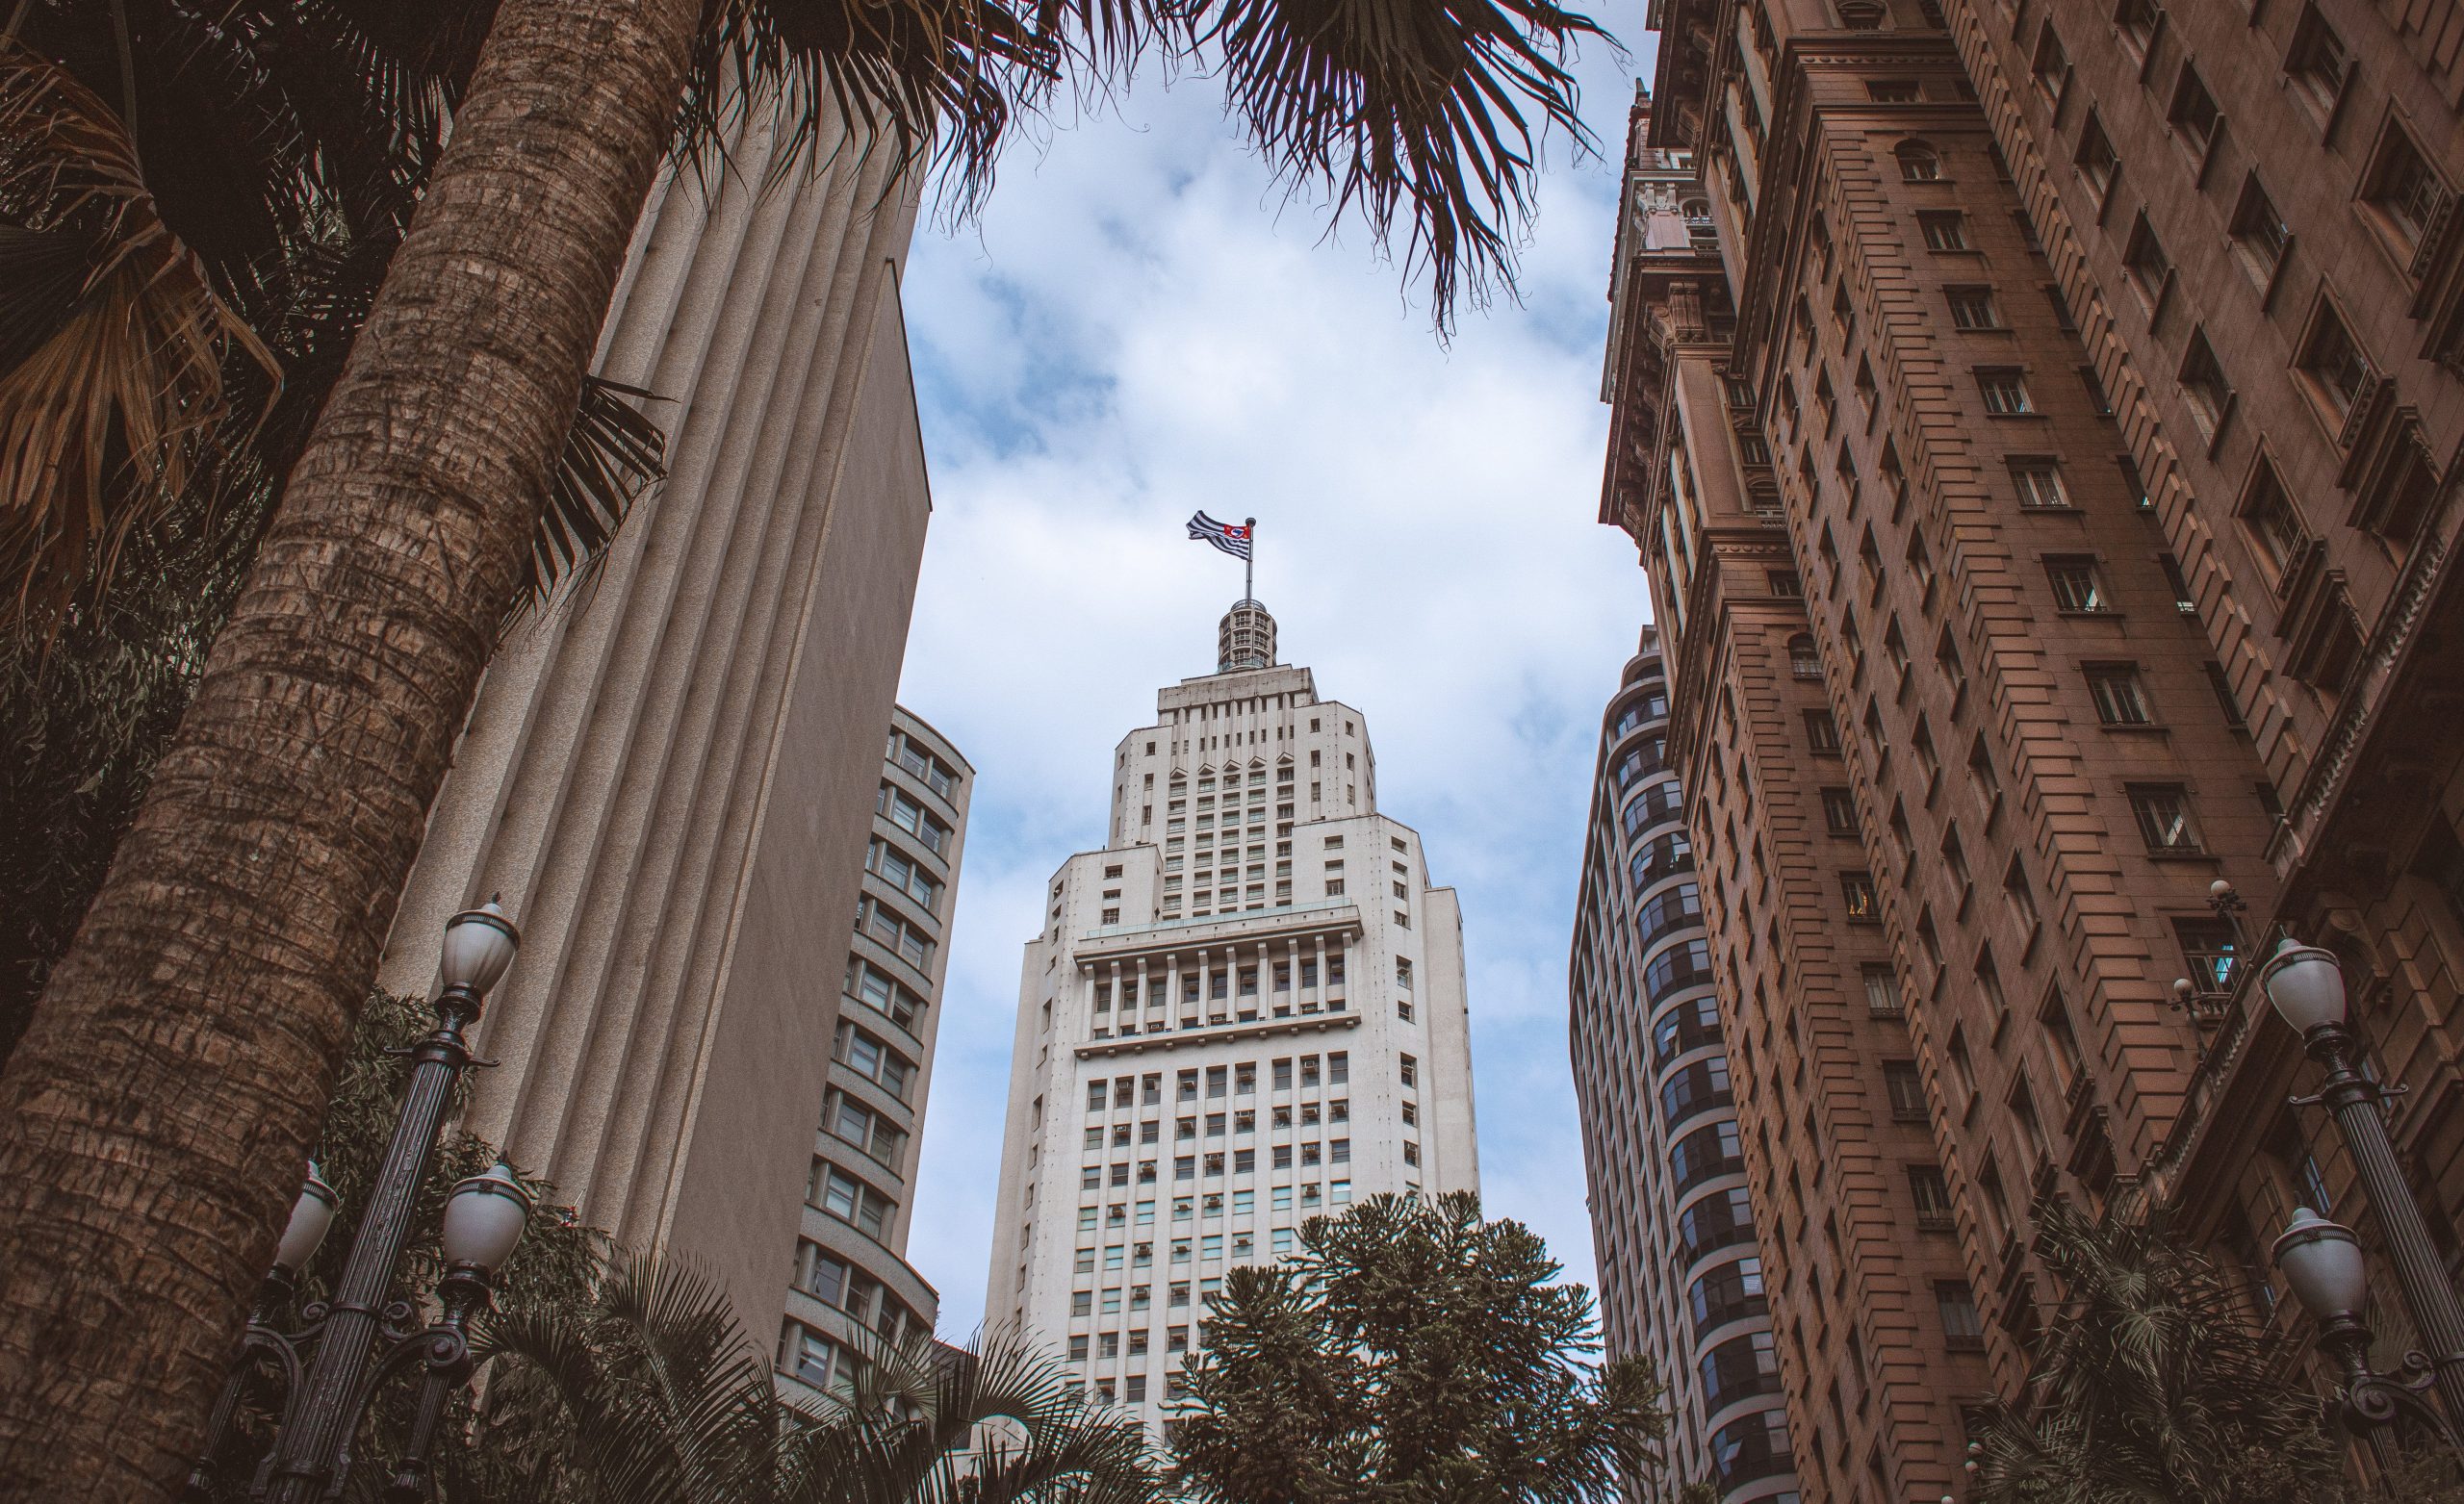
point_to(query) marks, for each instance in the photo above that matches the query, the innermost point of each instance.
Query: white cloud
(1138, 328)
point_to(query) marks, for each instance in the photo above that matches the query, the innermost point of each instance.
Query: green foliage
(609, 1378)
(1411, 1351)
(2152, 1384)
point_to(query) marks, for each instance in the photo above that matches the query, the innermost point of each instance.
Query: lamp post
(324, 1376)
(2320, 1259)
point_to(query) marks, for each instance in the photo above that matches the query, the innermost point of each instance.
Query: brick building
(2044, 473)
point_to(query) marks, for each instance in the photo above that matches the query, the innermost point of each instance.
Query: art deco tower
(1246, 1009)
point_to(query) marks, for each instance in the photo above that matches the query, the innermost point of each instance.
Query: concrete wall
(669, 779)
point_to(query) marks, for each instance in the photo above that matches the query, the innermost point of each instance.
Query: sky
(1140, 325)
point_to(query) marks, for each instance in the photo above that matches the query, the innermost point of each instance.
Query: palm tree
(2153, 1382)
(649, 1394)
(154, 1118)
(171, 319)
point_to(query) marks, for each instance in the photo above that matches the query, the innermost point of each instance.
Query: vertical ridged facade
(851, 1267)
(1246, 1010)
(671, 776)
(1679, 1269)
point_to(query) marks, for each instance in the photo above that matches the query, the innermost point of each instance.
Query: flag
(1231, 539)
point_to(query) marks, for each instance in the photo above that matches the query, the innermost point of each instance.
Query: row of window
(1213, 1204)
(1245, 1121)
(1220, 984)
(884, 994)
(902, 810)
(912, 940)
(920, 760)
(1237, 1079)
(1207, 1248)
(1243, 1162)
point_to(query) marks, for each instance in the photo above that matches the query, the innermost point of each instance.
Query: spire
(1246, 639)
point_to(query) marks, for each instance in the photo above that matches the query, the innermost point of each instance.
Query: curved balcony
(1703, 1156)
(1694, 1089)
(1658, 805)
(1665, 856)
(1726, 1293)
(1744, 1367)
(1722, 1219)
(1680, 966)
(1684, 1029)
(1679, 907)
(1750, 1449)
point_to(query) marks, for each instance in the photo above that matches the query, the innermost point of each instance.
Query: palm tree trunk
(155, 1122)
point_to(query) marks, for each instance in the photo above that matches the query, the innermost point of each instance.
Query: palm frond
(613, 456)
(909, 77)
(1417, 106)
(102, 423)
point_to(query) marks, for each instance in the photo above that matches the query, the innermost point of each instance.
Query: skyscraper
(1679, 1269)
(1246, 1009)
(669, 776)
(851, 1263)
(2047, 491)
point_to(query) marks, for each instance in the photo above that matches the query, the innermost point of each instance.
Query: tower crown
(1245, 638)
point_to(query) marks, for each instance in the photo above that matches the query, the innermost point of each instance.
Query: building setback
(669, 779)
(1680, 1274)
(1246, 1010)
(851, 1267)
(2039, 423)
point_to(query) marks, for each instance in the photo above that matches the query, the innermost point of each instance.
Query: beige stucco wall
(670, 780)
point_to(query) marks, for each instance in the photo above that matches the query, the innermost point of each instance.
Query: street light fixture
(2322, 1260)
(329, 1368)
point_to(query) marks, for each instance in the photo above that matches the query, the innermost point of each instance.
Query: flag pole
(1249, 565)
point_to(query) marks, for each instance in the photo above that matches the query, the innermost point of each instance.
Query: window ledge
(2138, 729)
(2092, 616)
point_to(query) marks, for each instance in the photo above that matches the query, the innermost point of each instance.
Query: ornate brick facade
(2045, 475)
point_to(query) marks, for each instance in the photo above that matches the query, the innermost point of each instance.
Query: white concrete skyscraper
(1247, 1010)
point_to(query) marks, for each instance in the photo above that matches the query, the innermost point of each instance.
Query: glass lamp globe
(310, 1216)
(2322, 1261)
(484, 1219)
(2305, 984)
(478, 946)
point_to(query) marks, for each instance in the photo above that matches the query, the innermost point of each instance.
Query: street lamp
(328, 1370)
(2320, 1259)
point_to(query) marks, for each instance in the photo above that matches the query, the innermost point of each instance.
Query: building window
(2050, 67)
(1930, 1196)
(2143, 257)
(1822, 732)
(2076, 586)
(2209, 396)
(1840, 811)
(2006, 393)
(1945, 229)
(2095, 159)
(1963, 1328)
(2211, 951)
(2317, 62)
(1906, 1091)
(2194, 112)
(1973, 308)
(2332, 365)
(2163, 811)
(1856, 893)
(1861, 16)
(2270, 522)
(1892, 90)
(2260, 235)
(2039, 482)
(2401, 189)
(1917, 163)
(2116, 689)
(2138, 20)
